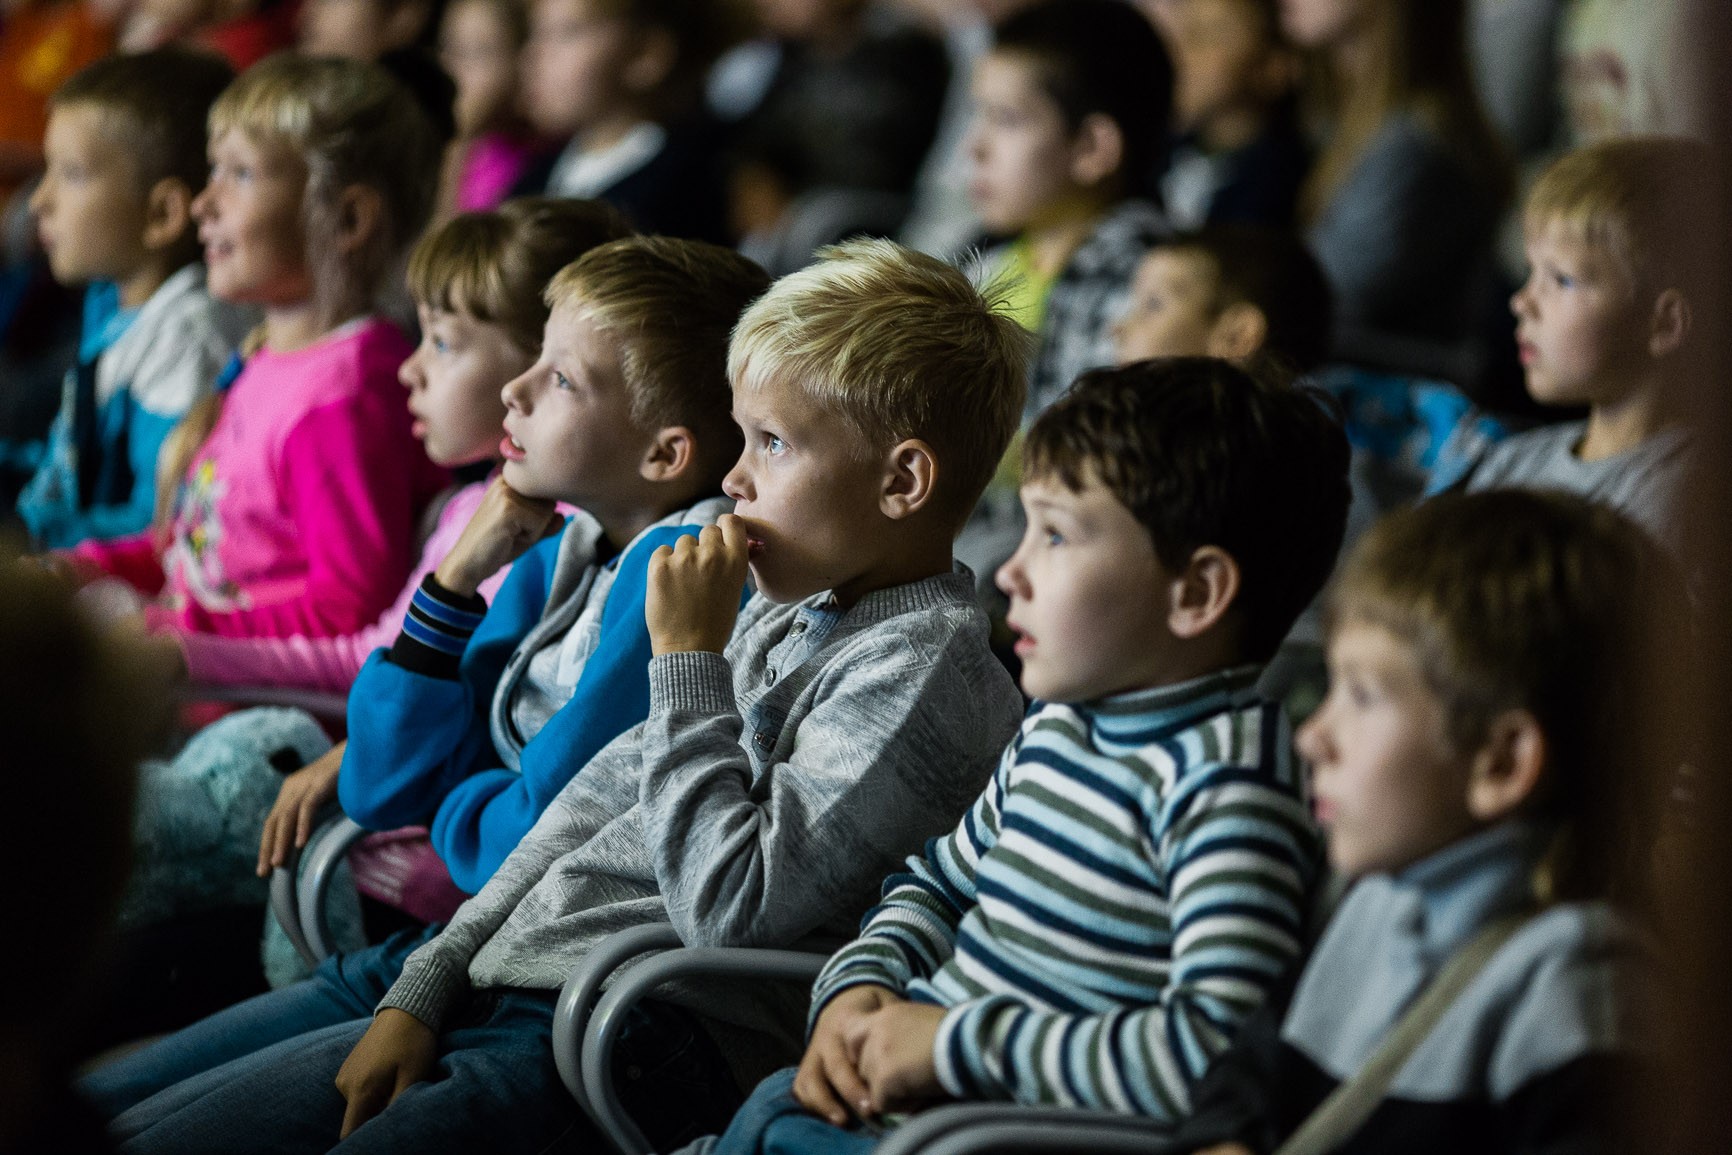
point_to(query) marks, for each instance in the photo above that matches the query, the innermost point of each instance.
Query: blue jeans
(345, 989)
(259, 1077)
(774, 1123)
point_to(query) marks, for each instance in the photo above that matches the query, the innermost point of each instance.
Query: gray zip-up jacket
(766, 796)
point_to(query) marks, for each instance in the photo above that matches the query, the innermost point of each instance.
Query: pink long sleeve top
(330, 663)
(297, 515)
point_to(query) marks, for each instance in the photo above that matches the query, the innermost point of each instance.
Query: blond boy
(1605, 321)
(788, 759)
(126, 154)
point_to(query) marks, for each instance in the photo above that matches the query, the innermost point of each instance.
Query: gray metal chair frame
(299, 893)
(587, 1022)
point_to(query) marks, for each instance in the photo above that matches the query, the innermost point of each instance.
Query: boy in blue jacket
(478, 715)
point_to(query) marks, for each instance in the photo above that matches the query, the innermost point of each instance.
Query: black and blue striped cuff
(436, 629)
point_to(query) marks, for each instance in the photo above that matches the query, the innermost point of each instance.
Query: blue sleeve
(50, 506)
(414, 736)
(485, 816)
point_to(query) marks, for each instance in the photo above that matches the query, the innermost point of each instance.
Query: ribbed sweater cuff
(426, 990)
(698, 680)
(436, 629)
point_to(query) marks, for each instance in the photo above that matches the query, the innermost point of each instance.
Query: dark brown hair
(1272, 270)
(1203, 453)
(160, 101)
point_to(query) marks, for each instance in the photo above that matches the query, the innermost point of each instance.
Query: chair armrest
(285, 905)
(595, 1070)
(991, 1128)
(325, 851)
(577, 997)
(319, 703)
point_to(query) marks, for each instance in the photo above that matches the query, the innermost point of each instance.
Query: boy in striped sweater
(1135, 877)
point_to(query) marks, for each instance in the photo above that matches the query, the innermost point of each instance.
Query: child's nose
(409, 372)
(737, 485)
(515, 394)
(1310, 740)
(38, 202)
(1010, 579)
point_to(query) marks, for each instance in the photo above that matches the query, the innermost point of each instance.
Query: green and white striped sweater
(1126, 891)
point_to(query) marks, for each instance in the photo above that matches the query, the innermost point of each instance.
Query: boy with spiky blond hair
(1605, 320)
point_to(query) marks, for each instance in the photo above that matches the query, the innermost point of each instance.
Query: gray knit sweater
(765, 797)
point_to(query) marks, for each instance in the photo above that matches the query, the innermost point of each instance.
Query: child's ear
(1097, 150)
(1238, 332)
(910, 474)
(360, 216)
(649, 66)
(1506, 771)
(167, 213)
(1670, 323)
(670, 455)
(1203, 593)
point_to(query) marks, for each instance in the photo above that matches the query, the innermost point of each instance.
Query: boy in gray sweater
(789, 759)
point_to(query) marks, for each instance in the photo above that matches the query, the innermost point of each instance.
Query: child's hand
(694, 589)
(828, 1084)
(1225, 1149)
(892, 1051)
(504, 527)
(397, 1052)
(303, 794)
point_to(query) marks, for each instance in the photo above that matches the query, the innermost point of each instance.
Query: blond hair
(495, 266)
(670, 305)
(350, 123)
(1549, 603)
(1641, 200)
(897, 345)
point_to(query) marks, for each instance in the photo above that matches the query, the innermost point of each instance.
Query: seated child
(480, 44)
(478, 715)
(296, 513)
(1480, 766)
(1070, 108)
(788, 758)
(1137, 875)
(1604, 320)
(1252, 295)
(835, 137)
(361, 29)
(616, 81)
(125, 150)
(1240, 156)
(479, 281)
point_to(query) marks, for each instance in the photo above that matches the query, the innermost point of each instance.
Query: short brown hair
(1203, 453)
(1272, 270)
(495, 266)
(898, 345)
(1547, 602)
(671, 304)
(161, 100)
(1640, 199)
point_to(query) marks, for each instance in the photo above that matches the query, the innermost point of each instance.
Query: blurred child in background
(1239, 154)
(1250, 294)
(617, 83)
(297, 509)
(126, 157)
(480, 44)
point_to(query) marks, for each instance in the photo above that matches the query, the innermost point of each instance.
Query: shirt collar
(1471, 881)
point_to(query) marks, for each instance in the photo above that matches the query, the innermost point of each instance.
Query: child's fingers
(268, 856)
(304, 820)
(733, 534)
(365, 1103)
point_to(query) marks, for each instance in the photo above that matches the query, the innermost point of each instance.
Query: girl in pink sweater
(295, 514)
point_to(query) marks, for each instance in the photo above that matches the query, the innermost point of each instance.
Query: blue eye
(773, 444)
(440, 345)
(561, 381)
(1563, 280)
(1051, 536)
